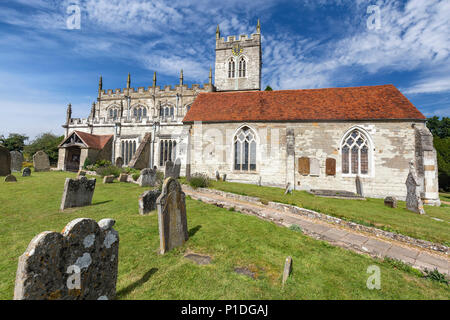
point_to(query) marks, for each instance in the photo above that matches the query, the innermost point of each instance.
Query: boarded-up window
(330, 167)
(303, 166)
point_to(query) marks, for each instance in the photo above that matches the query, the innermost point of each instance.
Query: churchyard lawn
(320, 271)
(370, 212)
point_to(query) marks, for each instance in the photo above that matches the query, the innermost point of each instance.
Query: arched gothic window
(166, 112)
(245, 150)
(128, 150)
(139, 112)
(355, 153)
(167, 151)
(242, 67)
(231, 68)
(113, 113)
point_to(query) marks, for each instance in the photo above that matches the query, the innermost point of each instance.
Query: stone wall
(392, 147)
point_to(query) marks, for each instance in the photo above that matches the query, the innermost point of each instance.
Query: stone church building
(311, 138)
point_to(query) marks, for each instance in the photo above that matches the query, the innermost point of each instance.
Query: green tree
(268, 88)
(440, 128)
(15, 141)
(48, 142)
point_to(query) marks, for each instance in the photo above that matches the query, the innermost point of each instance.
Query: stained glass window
(245, 150)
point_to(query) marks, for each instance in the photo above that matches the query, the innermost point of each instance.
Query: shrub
(435, 275)
(108, 171)
(102, 163)
(27, 164)
(136, 176)
(199, 180)
(87, 163)
(296, 228)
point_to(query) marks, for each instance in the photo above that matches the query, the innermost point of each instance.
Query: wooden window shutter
(331, 167)
(303, 166)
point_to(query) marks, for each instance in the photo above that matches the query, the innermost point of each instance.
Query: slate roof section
(384, 102)
(92, 141)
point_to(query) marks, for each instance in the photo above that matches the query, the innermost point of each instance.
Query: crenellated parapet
(243, 40)
(157, 90)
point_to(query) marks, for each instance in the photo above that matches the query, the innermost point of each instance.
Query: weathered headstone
(5, 161)
(172, 220)
(123, 177)
(77, 192)
(10, 178)
(108, 179)
(224, 177)
(413, 200)
(217, 175)
(287, 269)
(390, 202)
(314, 167)
(119, 162)
(359, 186)
(147, 201)
(16, 161)
(172, 169)
(259, 181)
(147, 178)
(288, 188)
(41, 161)
(26, 172)
(80, 263)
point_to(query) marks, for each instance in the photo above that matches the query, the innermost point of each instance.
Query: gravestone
(41, 161)
(80, 263)
(172, 169)
(390, 202)
(314, 166)
(26, 172)
(224, 177)
(147, 201)
(10, 178)
(260, 181)
(16, 161)
(217, 175)
(288, 188)
(123, 177)
(359, 186)
(287, 269)
(77, 192)
(5, 161)
(147, 178)
(303, 166)
(413, 200)
(172, 220)
(108, 179)
(119, 162)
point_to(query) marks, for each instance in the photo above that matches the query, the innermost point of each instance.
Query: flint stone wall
(77, 192)
(80, 263)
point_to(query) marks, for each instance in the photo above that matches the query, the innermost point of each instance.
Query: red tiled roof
(384, 102)
(92, 141)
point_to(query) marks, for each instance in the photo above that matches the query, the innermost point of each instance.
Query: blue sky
(44, 65)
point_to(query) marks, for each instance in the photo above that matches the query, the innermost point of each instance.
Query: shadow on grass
(137, 283)
(194, 231)
(102, 202)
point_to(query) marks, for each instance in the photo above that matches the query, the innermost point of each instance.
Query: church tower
(238, 62)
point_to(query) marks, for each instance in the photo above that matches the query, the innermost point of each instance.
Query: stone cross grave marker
(16, 161)
(413, 200)
(5, 161)
(147, 201)
(147, 178)
(171, 204)
(41, 161)
(77, 192)
(80, 263)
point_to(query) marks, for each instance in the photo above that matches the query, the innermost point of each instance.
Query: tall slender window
(245, 150)
(231, 68)
(167, 151)
(242, 67)
(355, 153)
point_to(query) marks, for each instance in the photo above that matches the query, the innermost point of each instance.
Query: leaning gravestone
(359, 186)
(287, 269)
(77, 193)
(288, 188)
(413, 200)
(80, 263)
(5, 161)
(172, 220)
(147, 201)
(10, 178)
(108, 179)
(119, 162)
(16, 161)
(41, 161)
(172, 169)
(147, 178)
(26, 172)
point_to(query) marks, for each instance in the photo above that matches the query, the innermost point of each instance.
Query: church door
(73, 159)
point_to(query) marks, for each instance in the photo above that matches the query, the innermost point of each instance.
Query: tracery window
(113, 113)
(139, 112)
(231, 68)
(167, 151)
(355, 153)
(166, 112)
(128, 150)
(242, 67)
(245, 150)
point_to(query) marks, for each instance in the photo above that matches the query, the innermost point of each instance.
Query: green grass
(444, 196)
(320, 271)
(371, 212)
